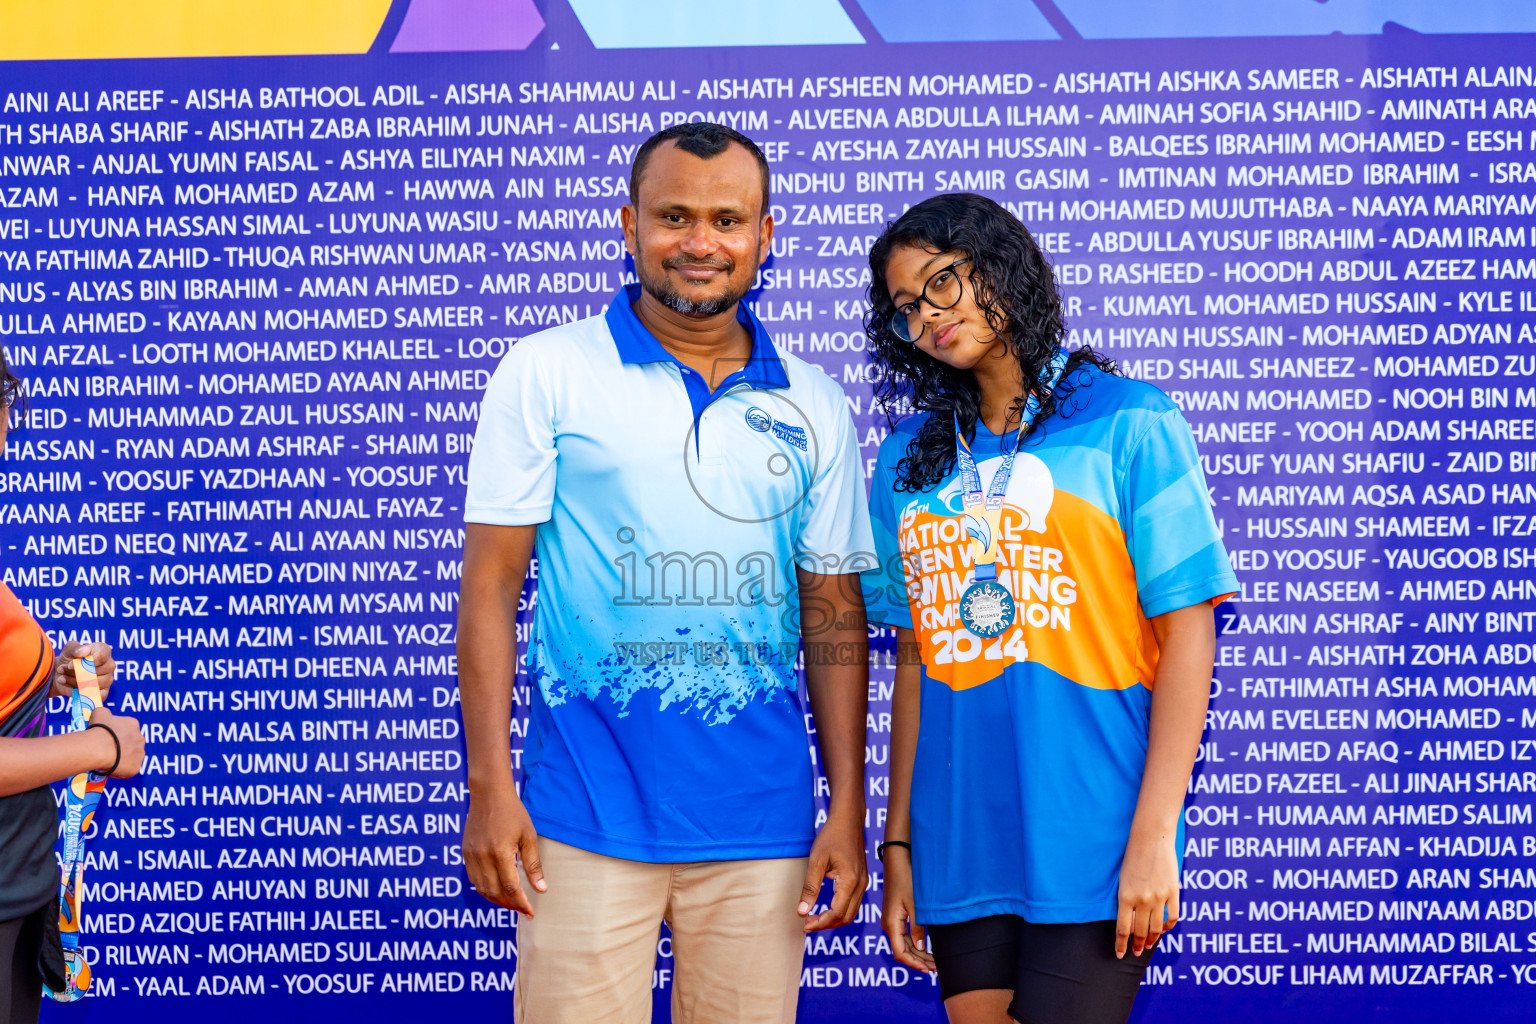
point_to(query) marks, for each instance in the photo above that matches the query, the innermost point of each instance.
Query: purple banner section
(257, 302)
(436, 26)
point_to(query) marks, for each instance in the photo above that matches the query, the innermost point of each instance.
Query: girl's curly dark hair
(1015, 290)
(13, 391)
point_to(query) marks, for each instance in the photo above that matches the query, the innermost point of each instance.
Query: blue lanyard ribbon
(80, 801)
(983, 529)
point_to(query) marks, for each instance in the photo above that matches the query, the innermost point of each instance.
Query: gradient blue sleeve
(834, 534)
(512, 465)
(1175, 544)
(885, 586)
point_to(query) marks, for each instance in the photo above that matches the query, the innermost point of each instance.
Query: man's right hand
(899, 918)
(497, 832)
(129, 739)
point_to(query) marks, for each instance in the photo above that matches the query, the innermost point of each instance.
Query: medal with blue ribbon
(80, 801)
(986, 607)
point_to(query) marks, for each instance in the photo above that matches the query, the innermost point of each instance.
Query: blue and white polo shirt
(667, 724)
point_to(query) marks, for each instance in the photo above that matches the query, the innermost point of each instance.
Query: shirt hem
(529, 516)
(1034, 913)
(9, 913)
(1212, 588)
(666, 853)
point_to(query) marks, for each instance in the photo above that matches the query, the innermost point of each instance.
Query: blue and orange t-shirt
(1032, 744)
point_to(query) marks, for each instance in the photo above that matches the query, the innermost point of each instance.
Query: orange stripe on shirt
(1074, 589)
(26, 655)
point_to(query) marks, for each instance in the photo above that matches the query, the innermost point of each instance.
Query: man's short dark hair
(702, 139)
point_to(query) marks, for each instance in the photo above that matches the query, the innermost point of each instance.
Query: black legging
(1058, 973)
(21, 986)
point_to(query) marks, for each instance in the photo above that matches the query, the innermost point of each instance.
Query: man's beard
(662, 291)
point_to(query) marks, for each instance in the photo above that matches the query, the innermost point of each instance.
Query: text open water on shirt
(738, 438)
(1063, 559)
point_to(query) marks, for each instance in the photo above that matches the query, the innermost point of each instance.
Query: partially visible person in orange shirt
(30, 761)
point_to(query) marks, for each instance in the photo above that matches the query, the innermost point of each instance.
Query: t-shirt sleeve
(512, 466)
(1175, 544)
(885, 585)
(834, 531)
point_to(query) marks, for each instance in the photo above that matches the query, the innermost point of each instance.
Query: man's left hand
(64, 667)
(838, 854)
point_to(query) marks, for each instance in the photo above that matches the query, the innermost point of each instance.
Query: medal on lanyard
(80, 801)
(986, 607)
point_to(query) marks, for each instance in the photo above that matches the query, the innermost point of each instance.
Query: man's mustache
(719, 263)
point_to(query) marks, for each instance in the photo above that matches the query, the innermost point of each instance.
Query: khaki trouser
(589, 951)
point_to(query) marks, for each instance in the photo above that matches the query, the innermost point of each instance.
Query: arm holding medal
(28, 763)
(128, 750)
(1149, 874)
(497, 829)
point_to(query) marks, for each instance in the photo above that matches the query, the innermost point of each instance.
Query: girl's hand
(908, 938)
(1149, 892)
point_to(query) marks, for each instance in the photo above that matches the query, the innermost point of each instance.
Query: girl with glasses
(1050, 562)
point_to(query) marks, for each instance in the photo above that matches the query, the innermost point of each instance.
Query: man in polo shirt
(696, 504)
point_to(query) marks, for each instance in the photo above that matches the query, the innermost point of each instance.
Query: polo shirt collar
(636, 344)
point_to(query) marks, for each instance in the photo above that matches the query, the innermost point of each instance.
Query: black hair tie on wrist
(880, 850)
(115, 742)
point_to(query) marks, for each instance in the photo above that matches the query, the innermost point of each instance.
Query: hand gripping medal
(986, 607)
(80, 801)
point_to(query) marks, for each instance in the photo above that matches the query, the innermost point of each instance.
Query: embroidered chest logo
(763, 423)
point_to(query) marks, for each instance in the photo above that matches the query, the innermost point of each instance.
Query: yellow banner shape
(94, 29)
